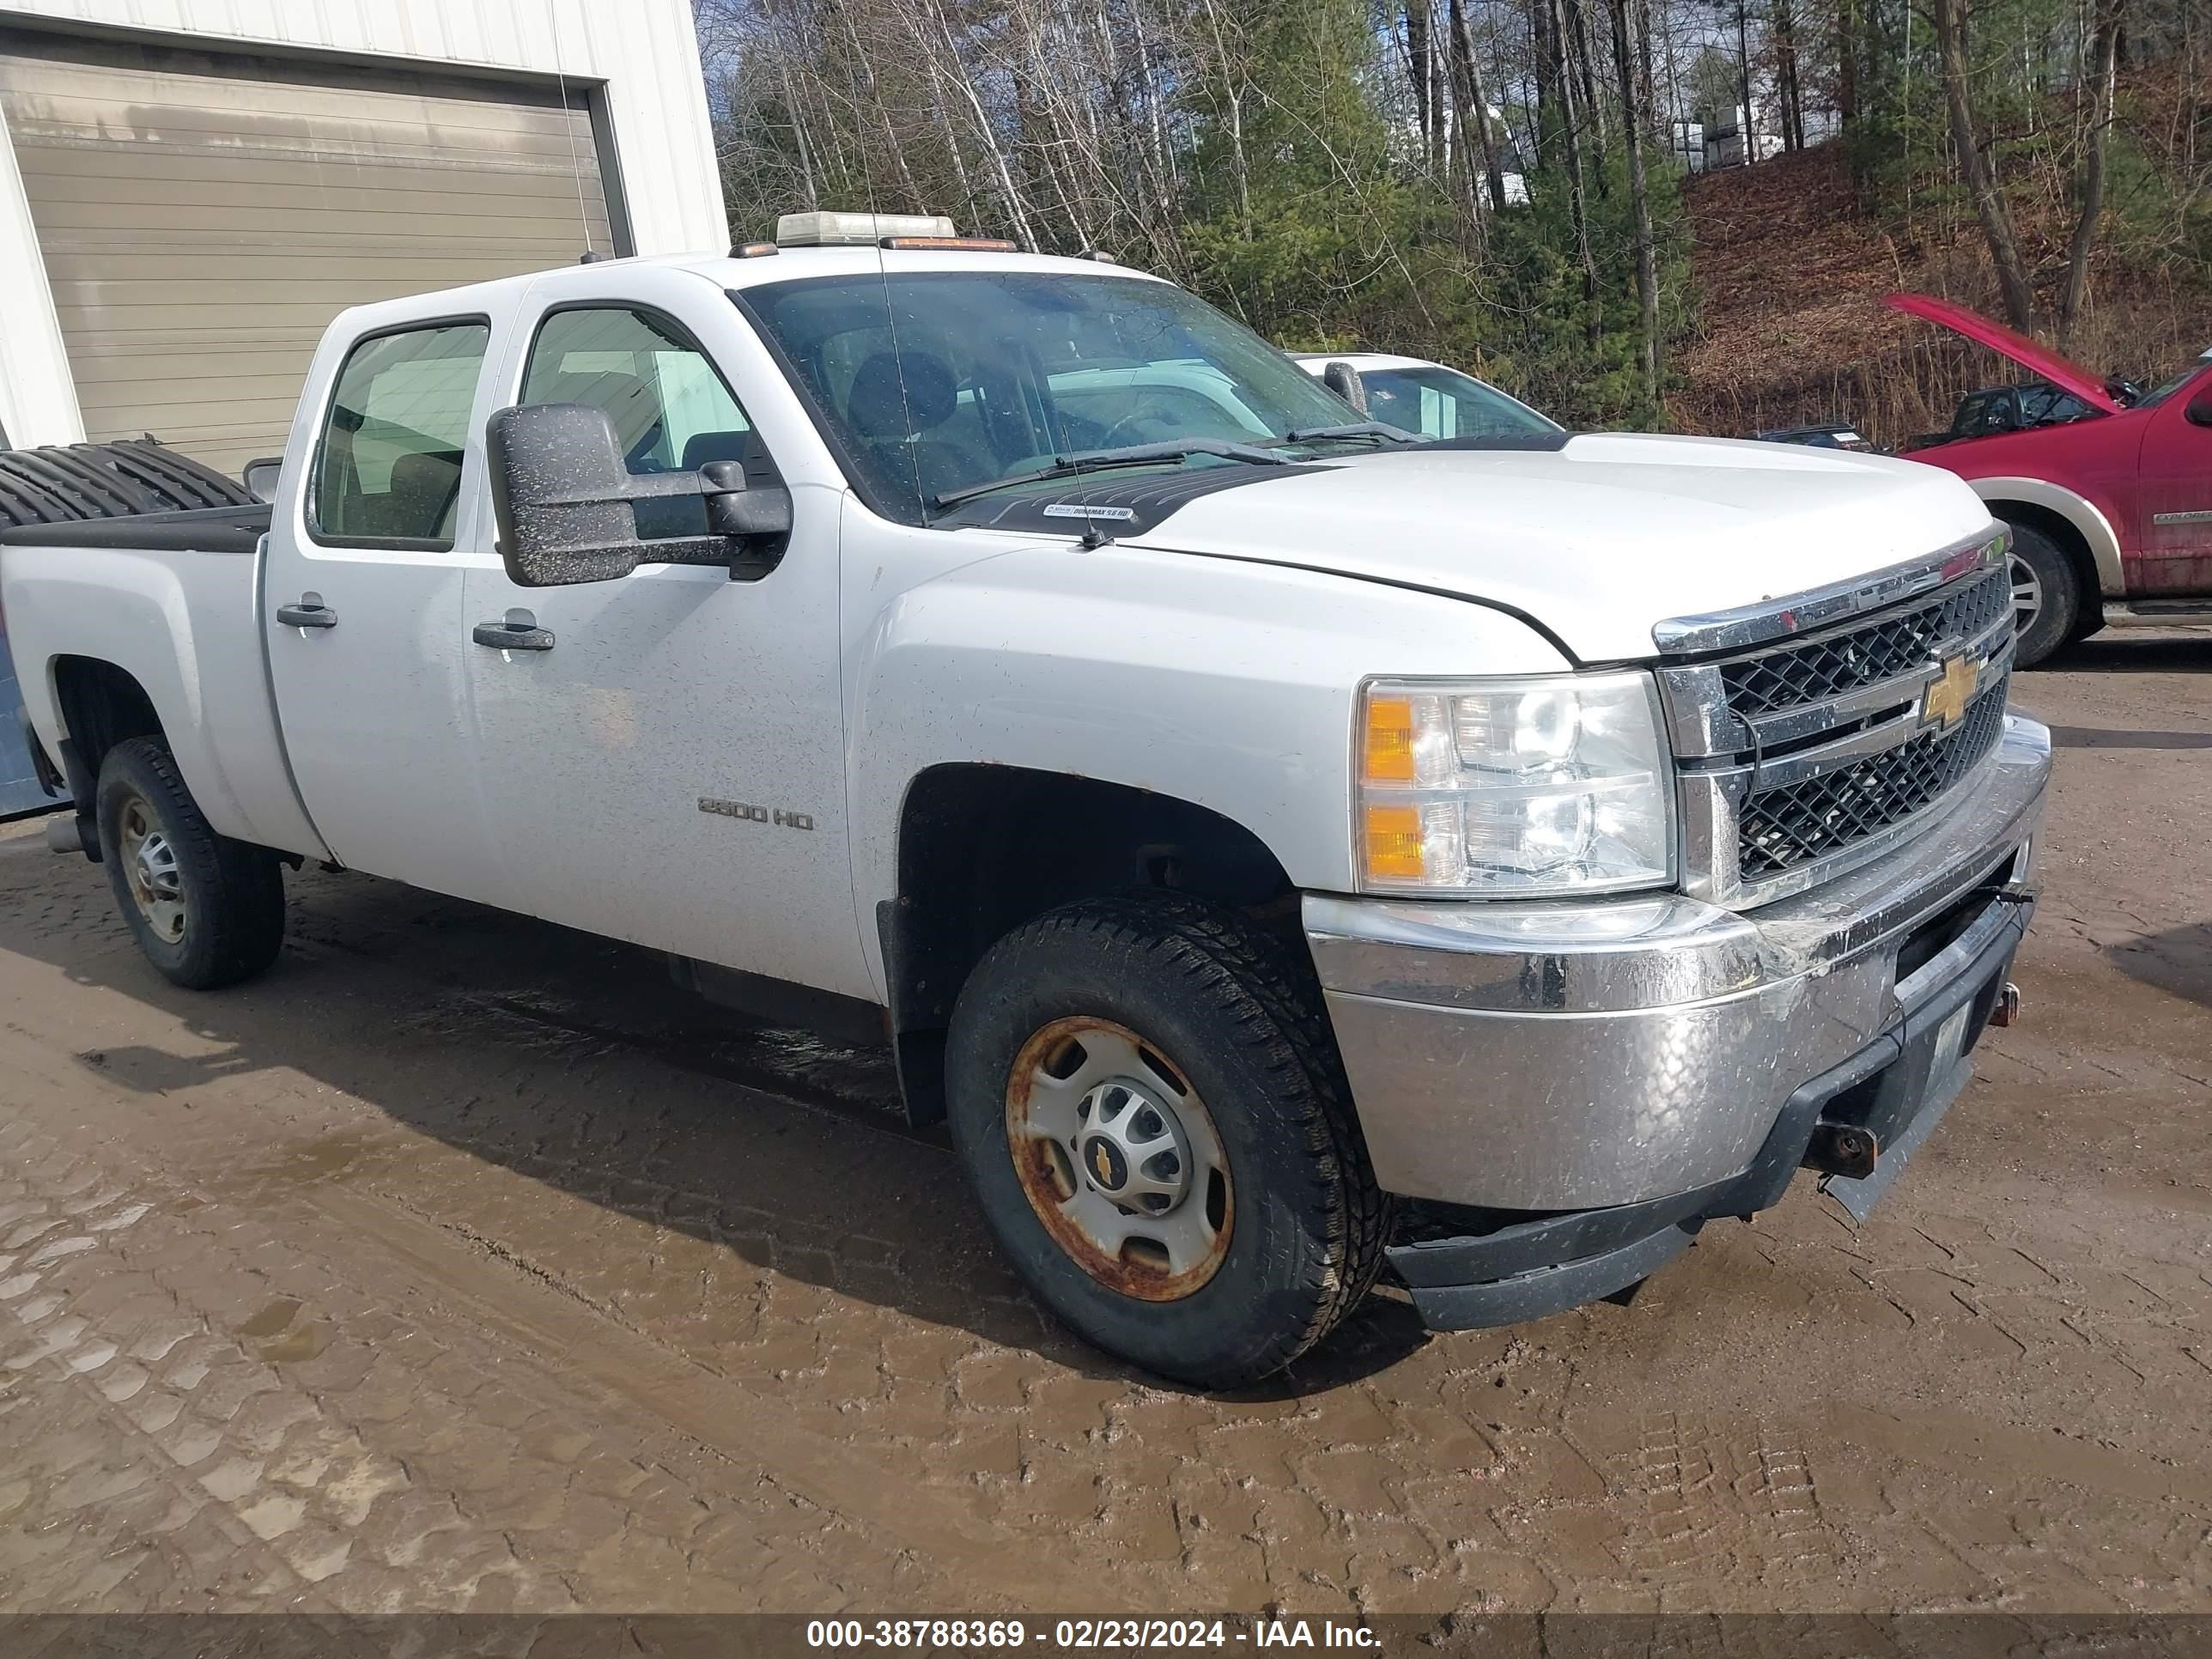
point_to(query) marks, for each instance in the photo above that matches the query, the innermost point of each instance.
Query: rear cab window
(388, 463)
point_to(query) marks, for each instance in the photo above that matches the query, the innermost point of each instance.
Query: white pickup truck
(1284, 849)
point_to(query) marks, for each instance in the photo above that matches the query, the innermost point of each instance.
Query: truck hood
(1596, 541)
(2039, 360)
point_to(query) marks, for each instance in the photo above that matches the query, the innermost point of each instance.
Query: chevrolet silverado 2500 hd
(1281, 847)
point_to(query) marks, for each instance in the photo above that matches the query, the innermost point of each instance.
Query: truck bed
(171, 600)
(197, 529)
(45, 489)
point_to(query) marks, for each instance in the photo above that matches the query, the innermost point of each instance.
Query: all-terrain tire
(1239, 1015)
(2056, 621)
(231, 894)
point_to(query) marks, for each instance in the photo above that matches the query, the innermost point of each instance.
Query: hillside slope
(1790, 276)
(1791, 326)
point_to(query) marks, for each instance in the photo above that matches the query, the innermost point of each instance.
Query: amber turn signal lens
(1387, 749)
(1394, 843)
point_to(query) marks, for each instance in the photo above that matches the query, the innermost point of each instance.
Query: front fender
(2084, 515)
(1227, 685)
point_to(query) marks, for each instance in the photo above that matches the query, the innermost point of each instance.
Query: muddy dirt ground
(461, 1264)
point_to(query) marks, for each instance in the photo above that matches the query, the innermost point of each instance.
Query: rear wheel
(1147, 1099)
(208, 911)
(2046, 595)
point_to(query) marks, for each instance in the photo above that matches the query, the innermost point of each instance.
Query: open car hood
(2039, 360)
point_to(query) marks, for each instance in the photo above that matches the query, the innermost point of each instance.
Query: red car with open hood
(2111, 516)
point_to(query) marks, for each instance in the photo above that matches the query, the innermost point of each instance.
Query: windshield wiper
(1382, 430)
(1099, 460)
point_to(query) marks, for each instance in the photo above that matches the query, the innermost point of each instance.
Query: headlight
(1520, 788)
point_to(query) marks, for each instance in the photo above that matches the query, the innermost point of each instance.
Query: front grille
(1845, 660)
(1779, 830)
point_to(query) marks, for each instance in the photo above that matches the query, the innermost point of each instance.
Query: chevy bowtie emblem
(1943, 703)
(1105, 1164)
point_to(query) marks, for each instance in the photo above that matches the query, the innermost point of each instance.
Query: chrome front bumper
(1572, 1057)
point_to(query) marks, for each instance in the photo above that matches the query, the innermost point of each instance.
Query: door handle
(512, 636)
(306, 613)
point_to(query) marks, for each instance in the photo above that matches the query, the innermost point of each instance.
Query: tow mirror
(565, 505)
(745, 511)
(1343, 378)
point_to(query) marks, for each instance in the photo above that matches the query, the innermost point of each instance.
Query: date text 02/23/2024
(1081, 1634)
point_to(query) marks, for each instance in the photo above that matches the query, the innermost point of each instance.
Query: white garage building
(191, 189)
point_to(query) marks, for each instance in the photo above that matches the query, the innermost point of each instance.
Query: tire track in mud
(1727, 1505)
(501, 1297)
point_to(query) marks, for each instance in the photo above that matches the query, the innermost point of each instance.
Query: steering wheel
(1165, 426)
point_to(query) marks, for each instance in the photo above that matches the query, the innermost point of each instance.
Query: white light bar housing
(856, 229)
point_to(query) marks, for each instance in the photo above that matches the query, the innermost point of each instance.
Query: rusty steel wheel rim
(149, 867)
(1120, 1158)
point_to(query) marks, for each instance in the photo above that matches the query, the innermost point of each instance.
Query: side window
(670, 409)
(388, 469)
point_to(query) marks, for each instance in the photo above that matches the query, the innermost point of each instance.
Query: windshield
(933, 383)
(1443, 403)
(2166, 389)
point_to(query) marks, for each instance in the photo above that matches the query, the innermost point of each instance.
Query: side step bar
(2157, 613)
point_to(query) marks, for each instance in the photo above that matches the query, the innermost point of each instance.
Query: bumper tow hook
(2006, 1010)
(1841, 1149)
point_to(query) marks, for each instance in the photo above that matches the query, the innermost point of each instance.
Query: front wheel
(2046, 595)
(1147, 1098)
(206, 910)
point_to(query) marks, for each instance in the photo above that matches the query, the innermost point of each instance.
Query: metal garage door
(204, 215)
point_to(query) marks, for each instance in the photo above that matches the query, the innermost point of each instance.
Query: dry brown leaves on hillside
(1791, 274)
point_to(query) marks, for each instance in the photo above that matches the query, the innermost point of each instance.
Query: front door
(2175, 496)
(667, 766)
(363, 607)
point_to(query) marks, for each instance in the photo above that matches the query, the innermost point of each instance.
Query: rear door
(668, 767)
(362, 608)
(2174, 496)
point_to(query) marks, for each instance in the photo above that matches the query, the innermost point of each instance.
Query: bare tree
(1555, 41)
(1420, 71)
(1745, 127)
(1639, 195)
(2102, 66)
(1474, 105)
(1974, 166)
(1788, 91)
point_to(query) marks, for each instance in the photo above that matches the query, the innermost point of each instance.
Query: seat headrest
(425, 469)
(897, 394)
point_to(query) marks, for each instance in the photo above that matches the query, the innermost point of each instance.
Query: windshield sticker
(1077, 510)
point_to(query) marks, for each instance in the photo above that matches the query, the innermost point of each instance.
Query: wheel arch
(98, 704)
(983, 847)
(2071, 520)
